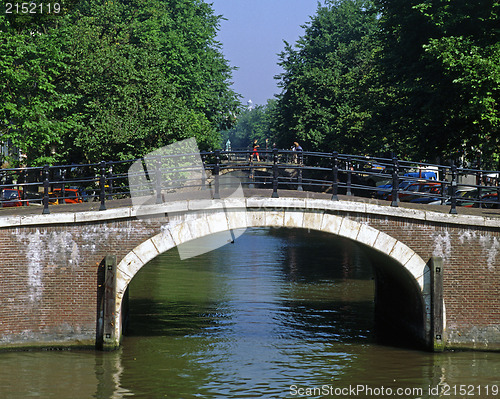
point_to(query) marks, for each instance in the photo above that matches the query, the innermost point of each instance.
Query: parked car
(490, 200)
(418, 192)
(384, 191)
(71, 196)
(11, 197)
(469, 197)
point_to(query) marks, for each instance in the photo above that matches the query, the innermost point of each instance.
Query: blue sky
(252, 37)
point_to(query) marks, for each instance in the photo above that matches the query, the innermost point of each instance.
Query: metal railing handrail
(277, 168)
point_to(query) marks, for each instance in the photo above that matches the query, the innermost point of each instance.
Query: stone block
(127, 267)
(384, 243)
(53, 218)
(236, 218)
(256, 218)
(199, 227)
(180, 233)
(163, 241)
(293, 219)
(401, 252)
(331, 223)
(217, 222)
(349, 228)
(313, 220)
(7, 221)
(275, 218)
(367, 235)
(109, 214)
(416, 266)
(146, 251)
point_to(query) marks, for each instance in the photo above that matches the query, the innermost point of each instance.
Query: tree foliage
(113, 79)
(440, 62)
(323, 102)
(420, 78)
(252, 124)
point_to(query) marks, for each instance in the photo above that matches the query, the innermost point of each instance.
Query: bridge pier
(437, 309)
(106, 339)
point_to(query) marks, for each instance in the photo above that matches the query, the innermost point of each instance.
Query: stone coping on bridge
(123, 209)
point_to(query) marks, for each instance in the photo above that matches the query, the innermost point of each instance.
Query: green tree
(440, 64)
(252, 124)
(324, 102)
(121, 79)
(32, 110)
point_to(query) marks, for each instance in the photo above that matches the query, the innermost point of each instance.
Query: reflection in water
(276, 308)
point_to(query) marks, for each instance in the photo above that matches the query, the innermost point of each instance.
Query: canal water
(277, 314)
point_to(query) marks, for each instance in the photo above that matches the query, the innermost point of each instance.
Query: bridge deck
(248, 192)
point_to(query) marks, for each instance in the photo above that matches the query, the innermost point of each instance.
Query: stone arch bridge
(64, 276)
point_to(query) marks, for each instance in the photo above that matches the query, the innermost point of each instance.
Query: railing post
(275, 173)
(349, 176)
(498, 195)
(442, 175)
(110, 182)
(216, 174)
(45, 190)
(395, 182)
(203, 159)
(479, 181)
(102, 186)
(63, 185)
(23, 179)
(301, 164)
(453, 209)
(335, 176)
(159, 197)
(252, 171)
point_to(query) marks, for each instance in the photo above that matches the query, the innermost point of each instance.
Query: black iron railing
(392, 180)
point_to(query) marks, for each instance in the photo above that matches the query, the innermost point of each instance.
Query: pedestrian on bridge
(255, 152)
(296, 147)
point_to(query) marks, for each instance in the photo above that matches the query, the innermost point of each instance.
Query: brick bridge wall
(52, 270)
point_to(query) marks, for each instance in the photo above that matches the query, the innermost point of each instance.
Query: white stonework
(331, 224)
(312, 220)
(401, 252)
(293, 218)
(349, 228)
(163, 241)
(146, 251)
(367, 235)
(384, 243)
